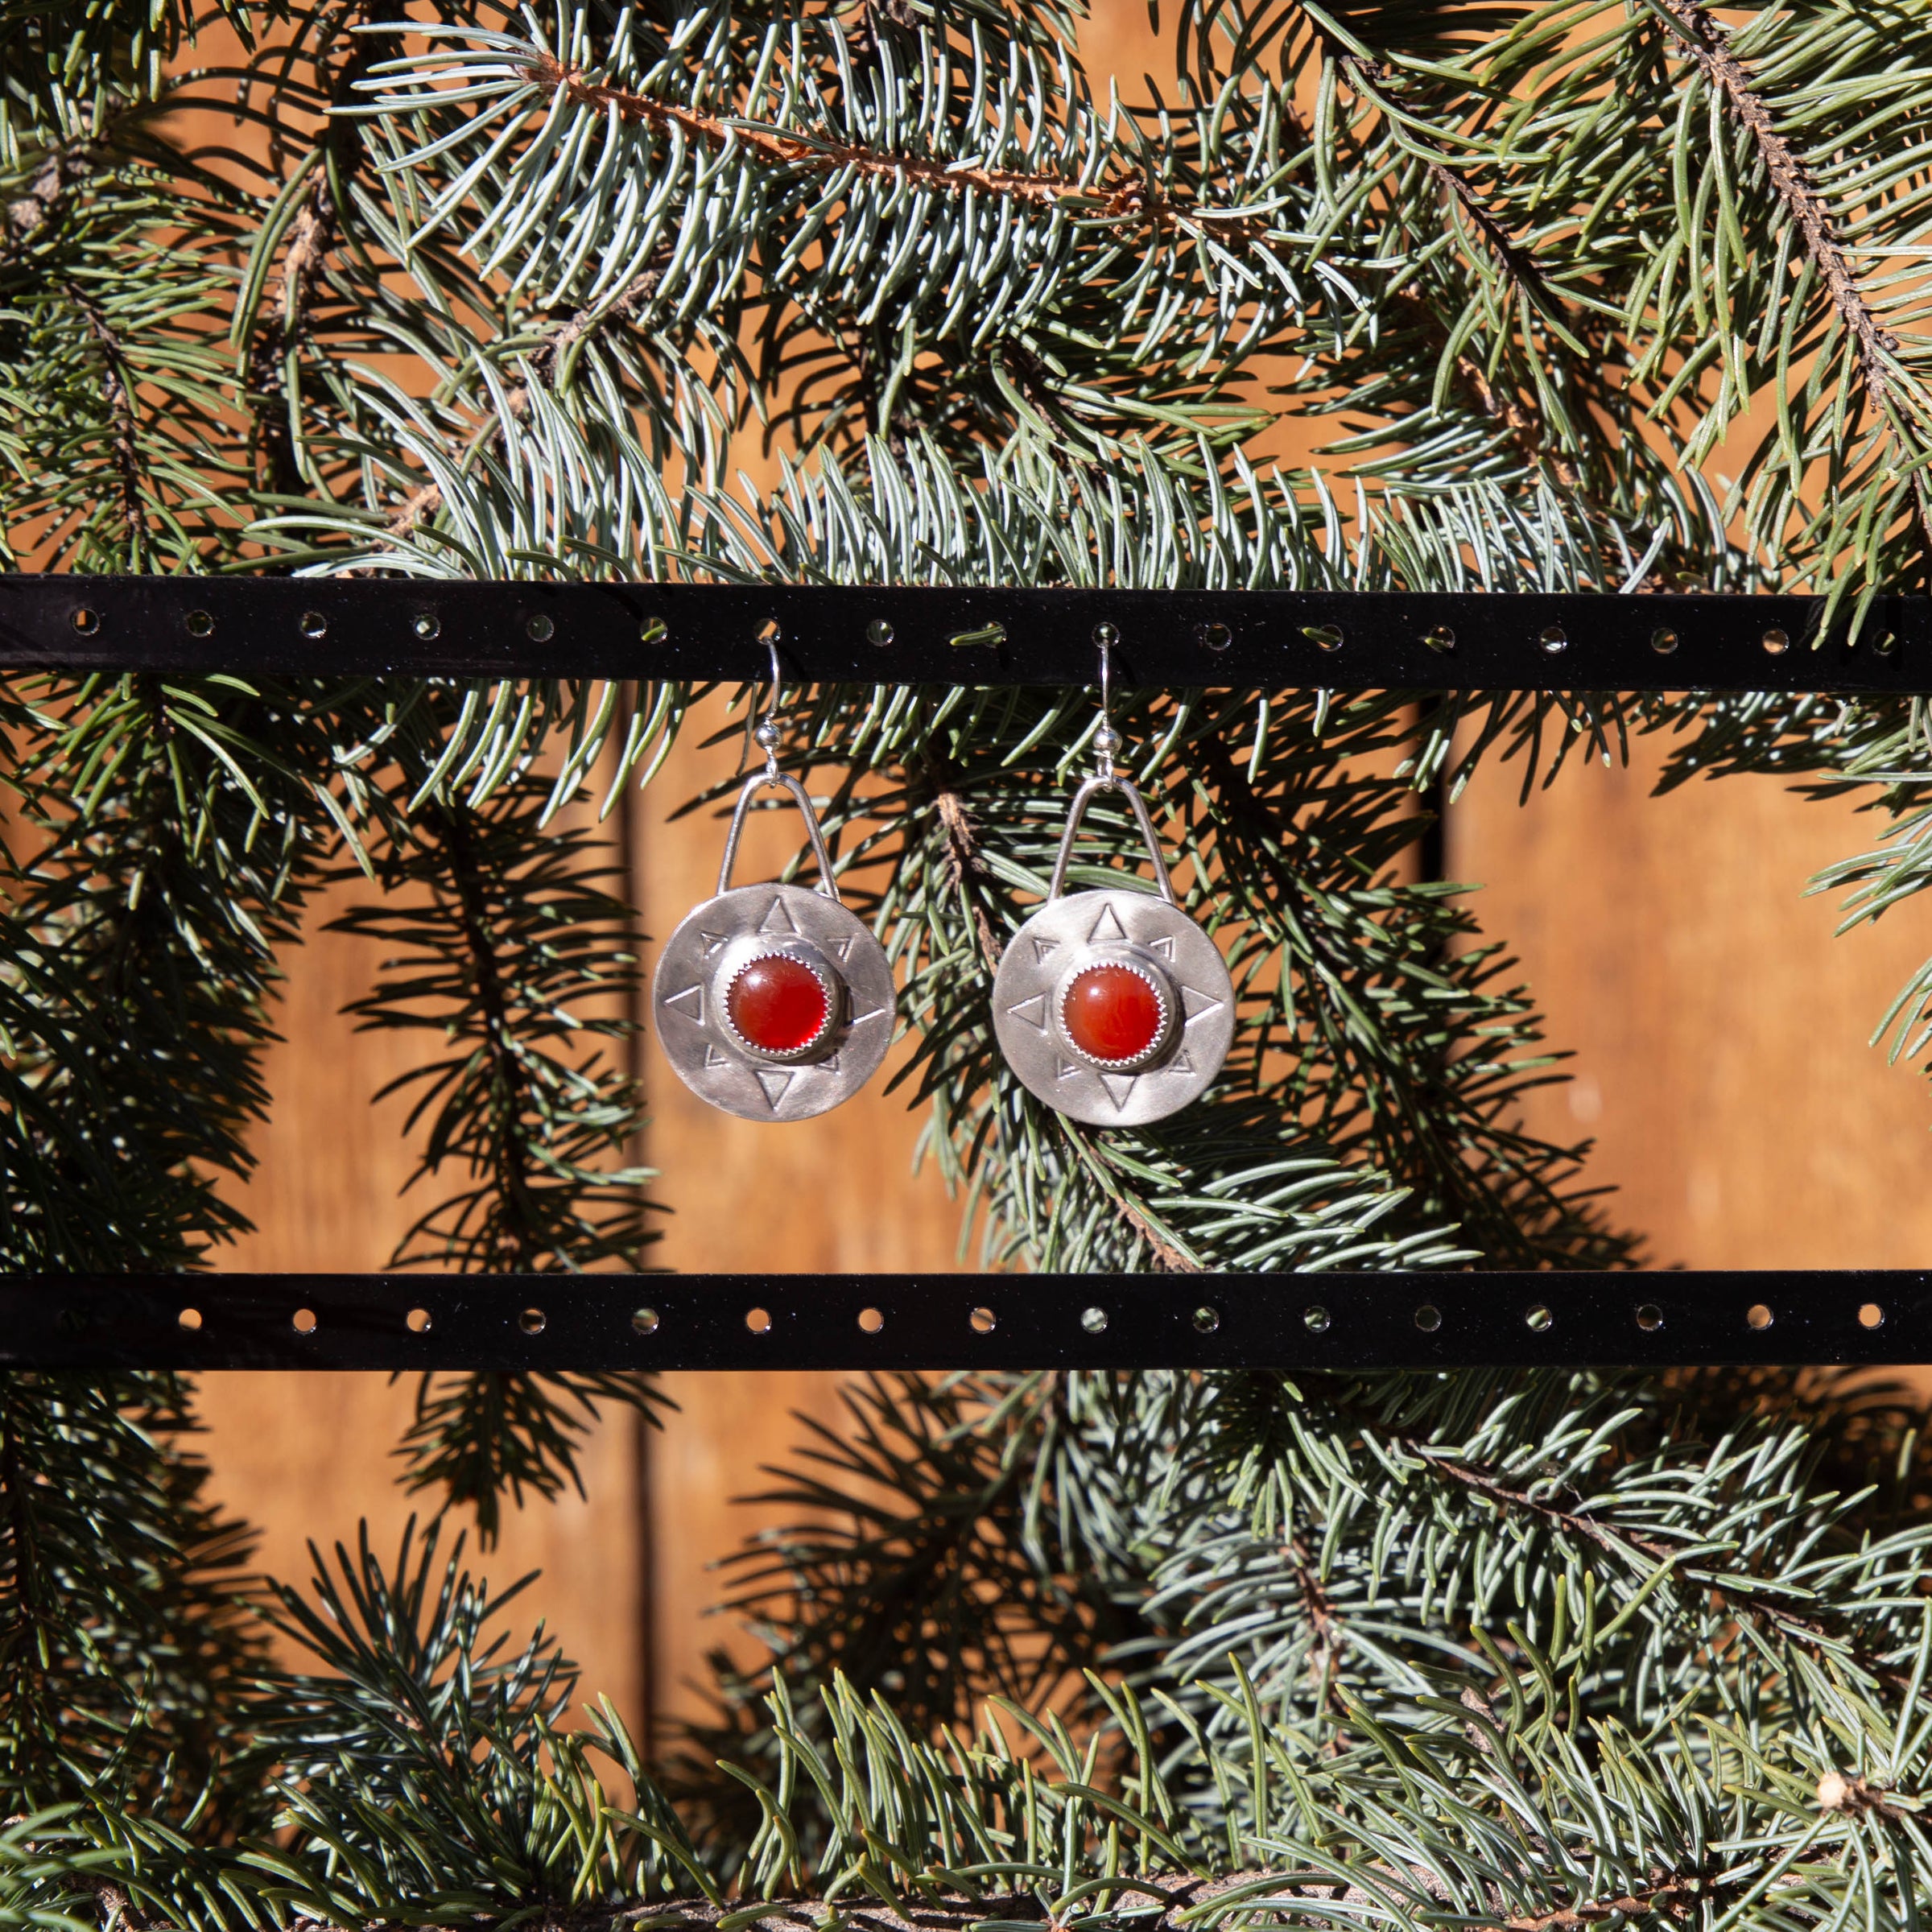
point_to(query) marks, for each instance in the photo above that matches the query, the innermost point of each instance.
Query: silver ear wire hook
(752, 786)
(768, 734)
(765, 732)
(1110, 1004)
(710, 999)
(1106, 741)
(1104, 781)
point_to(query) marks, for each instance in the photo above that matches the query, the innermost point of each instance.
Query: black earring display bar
(333, 628)
(959, 1321)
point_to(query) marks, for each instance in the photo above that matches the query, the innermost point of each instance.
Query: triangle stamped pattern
(1198, 1003)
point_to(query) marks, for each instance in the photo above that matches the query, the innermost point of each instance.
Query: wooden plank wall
(627, 1569)
(835, 1193)
(309, 1456)
(1722, 1068)
(1720, 1031)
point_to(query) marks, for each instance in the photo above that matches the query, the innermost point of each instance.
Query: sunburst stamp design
(1114, 1006)
(773, 1002)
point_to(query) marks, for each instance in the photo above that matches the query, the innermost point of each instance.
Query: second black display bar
(1345, 1322)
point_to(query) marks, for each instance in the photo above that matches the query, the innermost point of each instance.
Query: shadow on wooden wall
(627, 1570)
(1720, 1031)
(1721, 1065)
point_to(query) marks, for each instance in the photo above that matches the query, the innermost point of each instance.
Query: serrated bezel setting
(714, 944)
(1143, 969)
(802, 954)
(1113, 927)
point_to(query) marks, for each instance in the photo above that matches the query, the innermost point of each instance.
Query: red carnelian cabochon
(1111, 1012)
(778, 1005)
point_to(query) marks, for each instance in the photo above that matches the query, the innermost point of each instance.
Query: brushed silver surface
(713, 942)
(1112, 926)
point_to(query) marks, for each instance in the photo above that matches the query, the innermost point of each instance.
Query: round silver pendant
(1157, 977)
(792, 1060)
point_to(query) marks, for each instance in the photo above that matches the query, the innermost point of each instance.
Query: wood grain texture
(1720, 1030)
(838, 1193)
(1719, 1033)
(835, 1193)
(1721, 1065)
(308, 1456)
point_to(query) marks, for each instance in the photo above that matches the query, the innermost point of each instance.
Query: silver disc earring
(773, 1002)
(1112, 1005)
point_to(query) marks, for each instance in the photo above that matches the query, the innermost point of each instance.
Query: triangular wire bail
(785, 781)
(1110, 781)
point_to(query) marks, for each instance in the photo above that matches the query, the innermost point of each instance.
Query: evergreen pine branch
(178, 832)
(115, 451)
(69, 66)
(1314, 1150)
(419, 1722)
(1483, 1796)
(1873, 487)
(1258, 1549)
(1471, 1768)
(1527, 1653)
(863, 119)
(125, 1632)
(507, 955)
(481, 1436)
(509, 951)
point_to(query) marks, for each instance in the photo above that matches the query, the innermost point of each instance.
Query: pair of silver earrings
(775, 1002)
